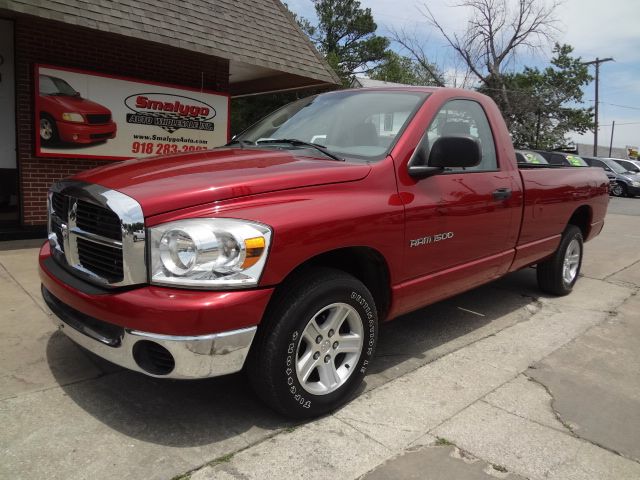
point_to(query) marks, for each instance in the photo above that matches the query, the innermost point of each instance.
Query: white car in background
(631, 165)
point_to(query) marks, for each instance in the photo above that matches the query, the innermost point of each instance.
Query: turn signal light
(254, 248)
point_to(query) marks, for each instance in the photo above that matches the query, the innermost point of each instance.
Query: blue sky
(595, 28)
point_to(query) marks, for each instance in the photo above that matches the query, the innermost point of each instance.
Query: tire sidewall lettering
(290, 373)
(368, 315)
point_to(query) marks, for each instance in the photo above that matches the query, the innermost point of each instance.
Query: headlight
(635, 184)
(208, 253)
(73, 117)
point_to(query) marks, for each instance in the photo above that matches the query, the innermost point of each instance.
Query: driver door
(461, 224)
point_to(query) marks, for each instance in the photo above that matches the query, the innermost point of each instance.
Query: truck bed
(552, 194)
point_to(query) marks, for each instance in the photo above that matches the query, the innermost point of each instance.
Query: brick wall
(53, 43)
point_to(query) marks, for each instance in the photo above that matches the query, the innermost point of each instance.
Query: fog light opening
(153, 358)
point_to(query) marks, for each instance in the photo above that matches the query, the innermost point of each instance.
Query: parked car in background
(530, 157)
(632, 166)
(563, 158)
(627, 183)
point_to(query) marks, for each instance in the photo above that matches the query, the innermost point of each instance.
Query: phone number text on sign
(153, 148)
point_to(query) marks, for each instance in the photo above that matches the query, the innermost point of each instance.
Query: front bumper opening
(153, 357)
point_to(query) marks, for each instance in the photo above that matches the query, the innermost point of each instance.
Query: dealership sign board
(87, 115)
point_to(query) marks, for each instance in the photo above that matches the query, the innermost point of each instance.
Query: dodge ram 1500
(282, 252)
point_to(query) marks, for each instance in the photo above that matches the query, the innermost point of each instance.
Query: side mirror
(418, 166)
(455, 151)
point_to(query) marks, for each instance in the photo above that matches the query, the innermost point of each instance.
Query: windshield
(615, 166)
(628, 166)
(359, 124)
(56, 86)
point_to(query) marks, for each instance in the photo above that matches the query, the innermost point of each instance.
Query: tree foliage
(402, 69)
(545, 104)
(345, 35)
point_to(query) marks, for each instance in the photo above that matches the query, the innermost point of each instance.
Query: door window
(466, 117)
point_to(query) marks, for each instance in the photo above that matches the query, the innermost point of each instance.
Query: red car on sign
(67, 117)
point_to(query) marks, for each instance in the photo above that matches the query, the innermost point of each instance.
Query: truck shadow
(200, 412)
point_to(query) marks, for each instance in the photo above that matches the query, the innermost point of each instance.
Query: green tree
(401, 69)
(345, 35)
(545, 104)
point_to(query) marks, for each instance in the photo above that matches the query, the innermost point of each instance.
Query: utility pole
(613, 127)
(597, 63)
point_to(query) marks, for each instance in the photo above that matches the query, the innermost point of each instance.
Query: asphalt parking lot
(498, 382)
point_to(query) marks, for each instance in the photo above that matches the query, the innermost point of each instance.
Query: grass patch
(223, 459)
(182, 476)
(441, 442)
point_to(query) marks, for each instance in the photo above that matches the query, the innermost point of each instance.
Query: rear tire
(314, 346)
(558, 274)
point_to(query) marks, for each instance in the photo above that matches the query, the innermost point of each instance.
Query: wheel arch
(581, 218)
(365, 263)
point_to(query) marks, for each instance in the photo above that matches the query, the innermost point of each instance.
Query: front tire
(315, 344)
(558, 274)
(619, 190)
(48, 130)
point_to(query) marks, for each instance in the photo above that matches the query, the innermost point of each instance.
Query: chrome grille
(57, 221)
(97, 233)
(102, 260)
(95, 219)
(60, 205)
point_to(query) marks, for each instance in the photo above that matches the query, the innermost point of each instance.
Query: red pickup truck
(66, 116)
(282, 252)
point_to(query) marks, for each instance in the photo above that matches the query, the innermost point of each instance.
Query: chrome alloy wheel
(329, 348)
(571, 262)
(617, 190)
(46, 129)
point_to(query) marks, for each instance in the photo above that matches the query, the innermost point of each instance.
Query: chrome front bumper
(193, 357)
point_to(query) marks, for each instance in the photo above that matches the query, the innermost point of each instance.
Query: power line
(622, 123)
(622, 106)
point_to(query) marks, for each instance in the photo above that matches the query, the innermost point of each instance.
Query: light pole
(597, 63)
(613, 127)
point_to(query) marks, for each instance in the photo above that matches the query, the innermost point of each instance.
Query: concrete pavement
(498, 382)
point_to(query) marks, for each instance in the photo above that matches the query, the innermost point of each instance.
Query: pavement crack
(562, 421)
(567, 425)
(361, 432)
(375, 424)
(492, 405)
(621, 270)
(15, 280)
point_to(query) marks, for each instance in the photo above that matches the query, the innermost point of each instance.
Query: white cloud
(602, 28)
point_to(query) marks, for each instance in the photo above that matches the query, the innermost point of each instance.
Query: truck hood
(172, 182)
(77, 104)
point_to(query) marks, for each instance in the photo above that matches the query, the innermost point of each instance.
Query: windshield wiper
(299, 143)
(242, 143)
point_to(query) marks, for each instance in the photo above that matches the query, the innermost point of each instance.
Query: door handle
(502, 193)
